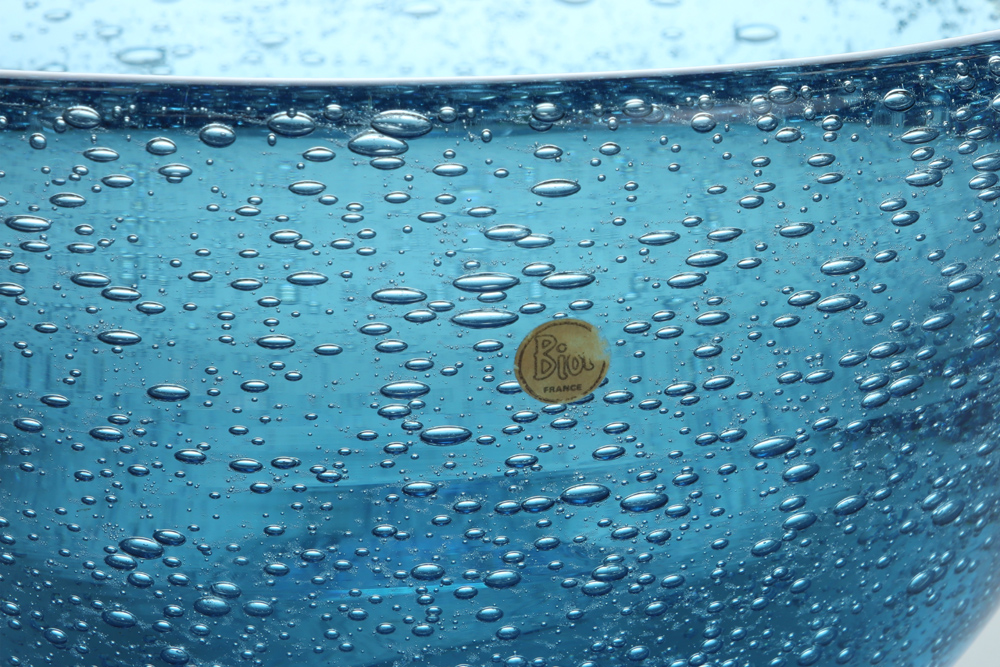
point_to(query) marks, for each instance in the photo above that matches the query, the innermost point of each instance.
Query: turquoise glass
(258, 397)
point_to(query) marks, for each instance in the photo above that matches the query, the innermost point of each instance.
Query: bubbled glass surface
(257, 392)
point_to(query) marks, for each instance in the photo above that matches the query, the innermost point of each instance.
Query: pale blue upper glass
(336, 39)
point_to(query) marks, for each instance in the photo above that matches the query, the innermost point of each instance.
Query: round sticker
(561, 361)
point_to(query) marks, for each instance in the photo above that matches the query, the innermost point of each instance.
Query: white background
(986, 651)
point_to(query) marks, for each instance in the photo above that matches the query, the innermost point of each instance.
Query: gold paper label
(561, 361)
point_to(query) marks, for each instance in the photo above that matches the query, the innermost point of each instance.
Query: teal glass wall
(257, 398)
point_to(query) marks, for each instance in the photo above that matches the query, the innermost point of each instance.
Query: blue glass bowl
(261, 400)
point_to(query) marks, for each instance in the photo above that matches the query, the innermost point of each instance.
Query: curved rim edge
(921, 47)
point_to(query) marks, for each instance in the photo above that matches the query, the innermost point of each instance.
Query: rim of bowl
(813, 61)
